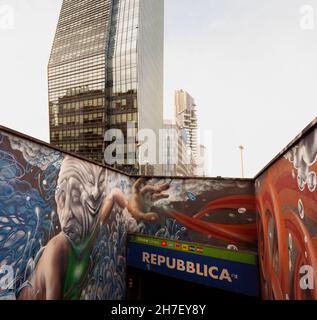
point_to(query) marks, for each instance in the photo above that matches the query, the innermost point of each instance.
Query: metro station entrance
(150, 286)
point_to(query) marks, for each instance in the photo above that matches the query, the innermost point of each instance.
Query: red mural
(286, 200)
(232, 233)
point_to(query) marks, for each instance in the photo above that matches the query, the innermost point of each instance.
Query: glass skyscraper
(105, 69)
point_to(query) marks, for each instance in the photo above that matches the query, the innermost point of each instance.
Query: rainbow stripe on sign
(194, 248)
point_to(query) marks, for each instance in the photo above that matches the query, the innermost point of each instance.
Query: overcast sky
(250, 66)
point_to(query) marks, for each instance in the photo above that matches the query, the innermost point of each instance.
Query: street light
(242, 163)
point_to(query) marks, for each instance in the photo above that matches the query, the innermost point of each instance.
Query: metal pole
(242, 163)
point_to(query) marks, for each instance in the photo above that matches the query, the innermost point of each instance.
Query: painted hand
(143, 197)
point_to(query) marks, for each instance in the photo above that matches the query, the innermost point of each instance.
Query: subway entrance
(149, 286)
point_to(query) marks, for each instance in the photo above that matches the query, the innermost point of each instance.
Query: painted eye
(102, 180)
(76, 196)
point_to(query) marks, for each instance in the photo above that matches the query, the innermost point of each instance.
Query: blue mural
(29, 220)
(27, 212)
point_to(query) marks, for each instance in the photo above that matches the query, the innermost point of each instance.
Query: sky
(250, 65)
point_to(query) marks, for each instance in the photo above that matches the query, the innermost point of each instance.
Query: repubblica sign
(219, 268)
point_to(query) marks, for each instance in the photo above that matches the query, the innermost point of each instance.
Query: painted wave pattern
(27, 217)
(33, 153)
(172, 230)
(106, 279)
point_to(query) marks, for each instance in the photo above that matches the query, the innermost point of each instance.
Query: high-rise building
(105, 69)
(186, 120)
(177, 157)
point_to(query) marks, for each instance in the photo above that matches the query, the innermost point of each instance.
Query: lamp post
(242, 162)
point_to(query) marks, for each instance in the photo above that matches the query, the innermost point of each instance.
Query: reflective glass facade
(106, 54)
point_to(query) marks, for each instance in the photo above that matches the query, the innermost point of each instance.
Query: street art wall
(287, 224)
(62, 229)
(64, 221)
(214, 212)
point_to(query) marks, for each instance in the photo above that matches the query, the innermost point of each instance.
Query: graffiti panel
(216, 212)
(287, 225)
(64, 221)
(62, 226)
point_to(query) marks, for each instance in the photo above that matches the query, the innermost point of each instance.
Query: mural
(64, 221)
(215, 212)
(287, 225)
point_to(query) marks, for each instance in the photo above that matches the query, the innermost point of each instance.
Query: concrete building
(186, 120)
(177, 159)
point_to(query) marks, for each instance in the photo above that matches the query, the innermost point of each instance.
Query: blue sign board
(234, 276)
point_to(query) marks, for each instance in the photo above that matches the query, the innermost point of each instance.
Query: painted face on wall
(79, 197)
